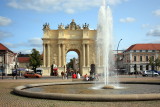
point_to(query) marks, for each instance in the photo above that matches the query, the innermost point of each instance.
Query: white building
(7, 60)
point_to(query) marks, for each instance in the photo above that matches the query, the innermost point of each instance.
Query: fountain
(81, 91)
(104, 44)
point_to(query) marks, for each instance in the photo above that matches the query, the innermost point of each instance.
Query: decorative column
(59, 55)
(63, 55)
(44, 55)
(87, 55)
(48, 48)
(84, 55)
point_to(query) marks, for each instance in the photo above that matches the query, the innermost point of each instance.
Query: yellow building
(57, 43)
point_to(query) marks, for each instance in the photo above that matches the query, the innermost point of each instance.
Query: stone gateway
(57, 43)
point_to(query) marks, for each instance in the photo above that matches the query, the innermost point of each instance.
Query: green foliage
(70, 64)
(157, 63)
(154, 63)
(35, 59)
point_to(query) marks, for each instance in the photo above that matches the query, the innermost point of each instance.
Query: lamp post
(117, 54)
(16, 66)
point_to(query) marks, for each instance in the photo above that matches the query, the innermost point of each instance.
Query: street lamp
(117, 54)
(16, 66)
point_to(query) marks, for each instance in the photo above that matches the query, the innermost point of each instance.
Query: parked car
(32, 75)
(158, 72)
(149, 73)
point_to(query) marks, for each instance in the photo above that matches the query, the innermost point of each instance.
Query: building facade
(7, 60)
(140, 54)
(57, 43)
(23, 62)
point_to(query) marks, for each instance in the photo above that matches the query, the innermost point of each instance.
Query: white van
(39, 71)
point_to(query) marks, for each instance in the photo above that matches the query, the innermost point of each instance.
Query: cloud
(155, 41)
(154, 31)
(127, 20)
(35, 42)
(4, 35)
(145, 25)
(4, 21)
(115, 2)
(156, 12)
(29, 51)
(10, 45)
(68, 6)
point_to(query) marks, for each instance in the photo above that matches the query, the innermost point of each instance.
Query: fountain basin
(21, 90)
(108, 87)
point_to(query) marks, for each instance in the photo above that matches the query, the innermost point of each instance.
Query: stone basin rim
(20, 90)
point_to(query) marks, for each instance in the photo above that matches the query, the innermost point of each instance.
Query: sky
(21, 21)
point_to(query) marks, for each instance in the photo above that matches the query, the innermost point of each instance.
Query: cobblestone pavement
(8, 99)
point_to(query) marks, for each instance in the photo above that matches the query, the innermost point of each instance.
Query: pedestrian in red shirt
(74, 76)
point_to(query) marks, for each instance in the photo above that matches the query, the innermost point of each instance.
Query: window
(140, 50)
(134, 58)
(140, 58)
(146, 50)
(146, 58)
(141, 67)
(147, 67)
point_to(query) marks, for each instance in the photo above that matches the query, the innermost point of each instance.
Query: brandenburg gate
(72, 37)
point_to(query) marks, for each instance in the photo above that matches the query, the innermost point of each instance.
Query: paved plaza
(8, 99)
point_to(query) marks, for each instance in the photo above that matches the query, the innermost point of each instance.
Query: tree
(35, 59)
(70, 64)
(151, 62)
(157, 63)
(154, 63)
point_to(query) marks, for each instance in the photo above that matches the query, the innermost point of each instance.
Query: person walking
(62, 74)
(74, 76)
(78, 76)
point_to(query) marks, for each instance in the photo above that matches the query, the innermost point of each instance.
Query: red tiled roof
(2, 47)
(144, 47)
(23, 59)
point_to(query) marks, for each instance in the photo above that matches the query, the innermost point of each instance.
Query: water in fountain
(104, 44)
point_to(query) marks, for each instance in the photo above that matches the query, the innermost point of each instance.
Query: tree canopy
(35, 59)
(154, 63)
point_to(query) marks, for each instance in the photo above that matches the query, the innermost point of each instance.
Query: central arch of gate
(56, 43)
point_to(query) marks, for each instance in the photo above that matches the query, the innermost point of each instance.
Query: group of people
(74, 75)
(91, 77)
(77, 76)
